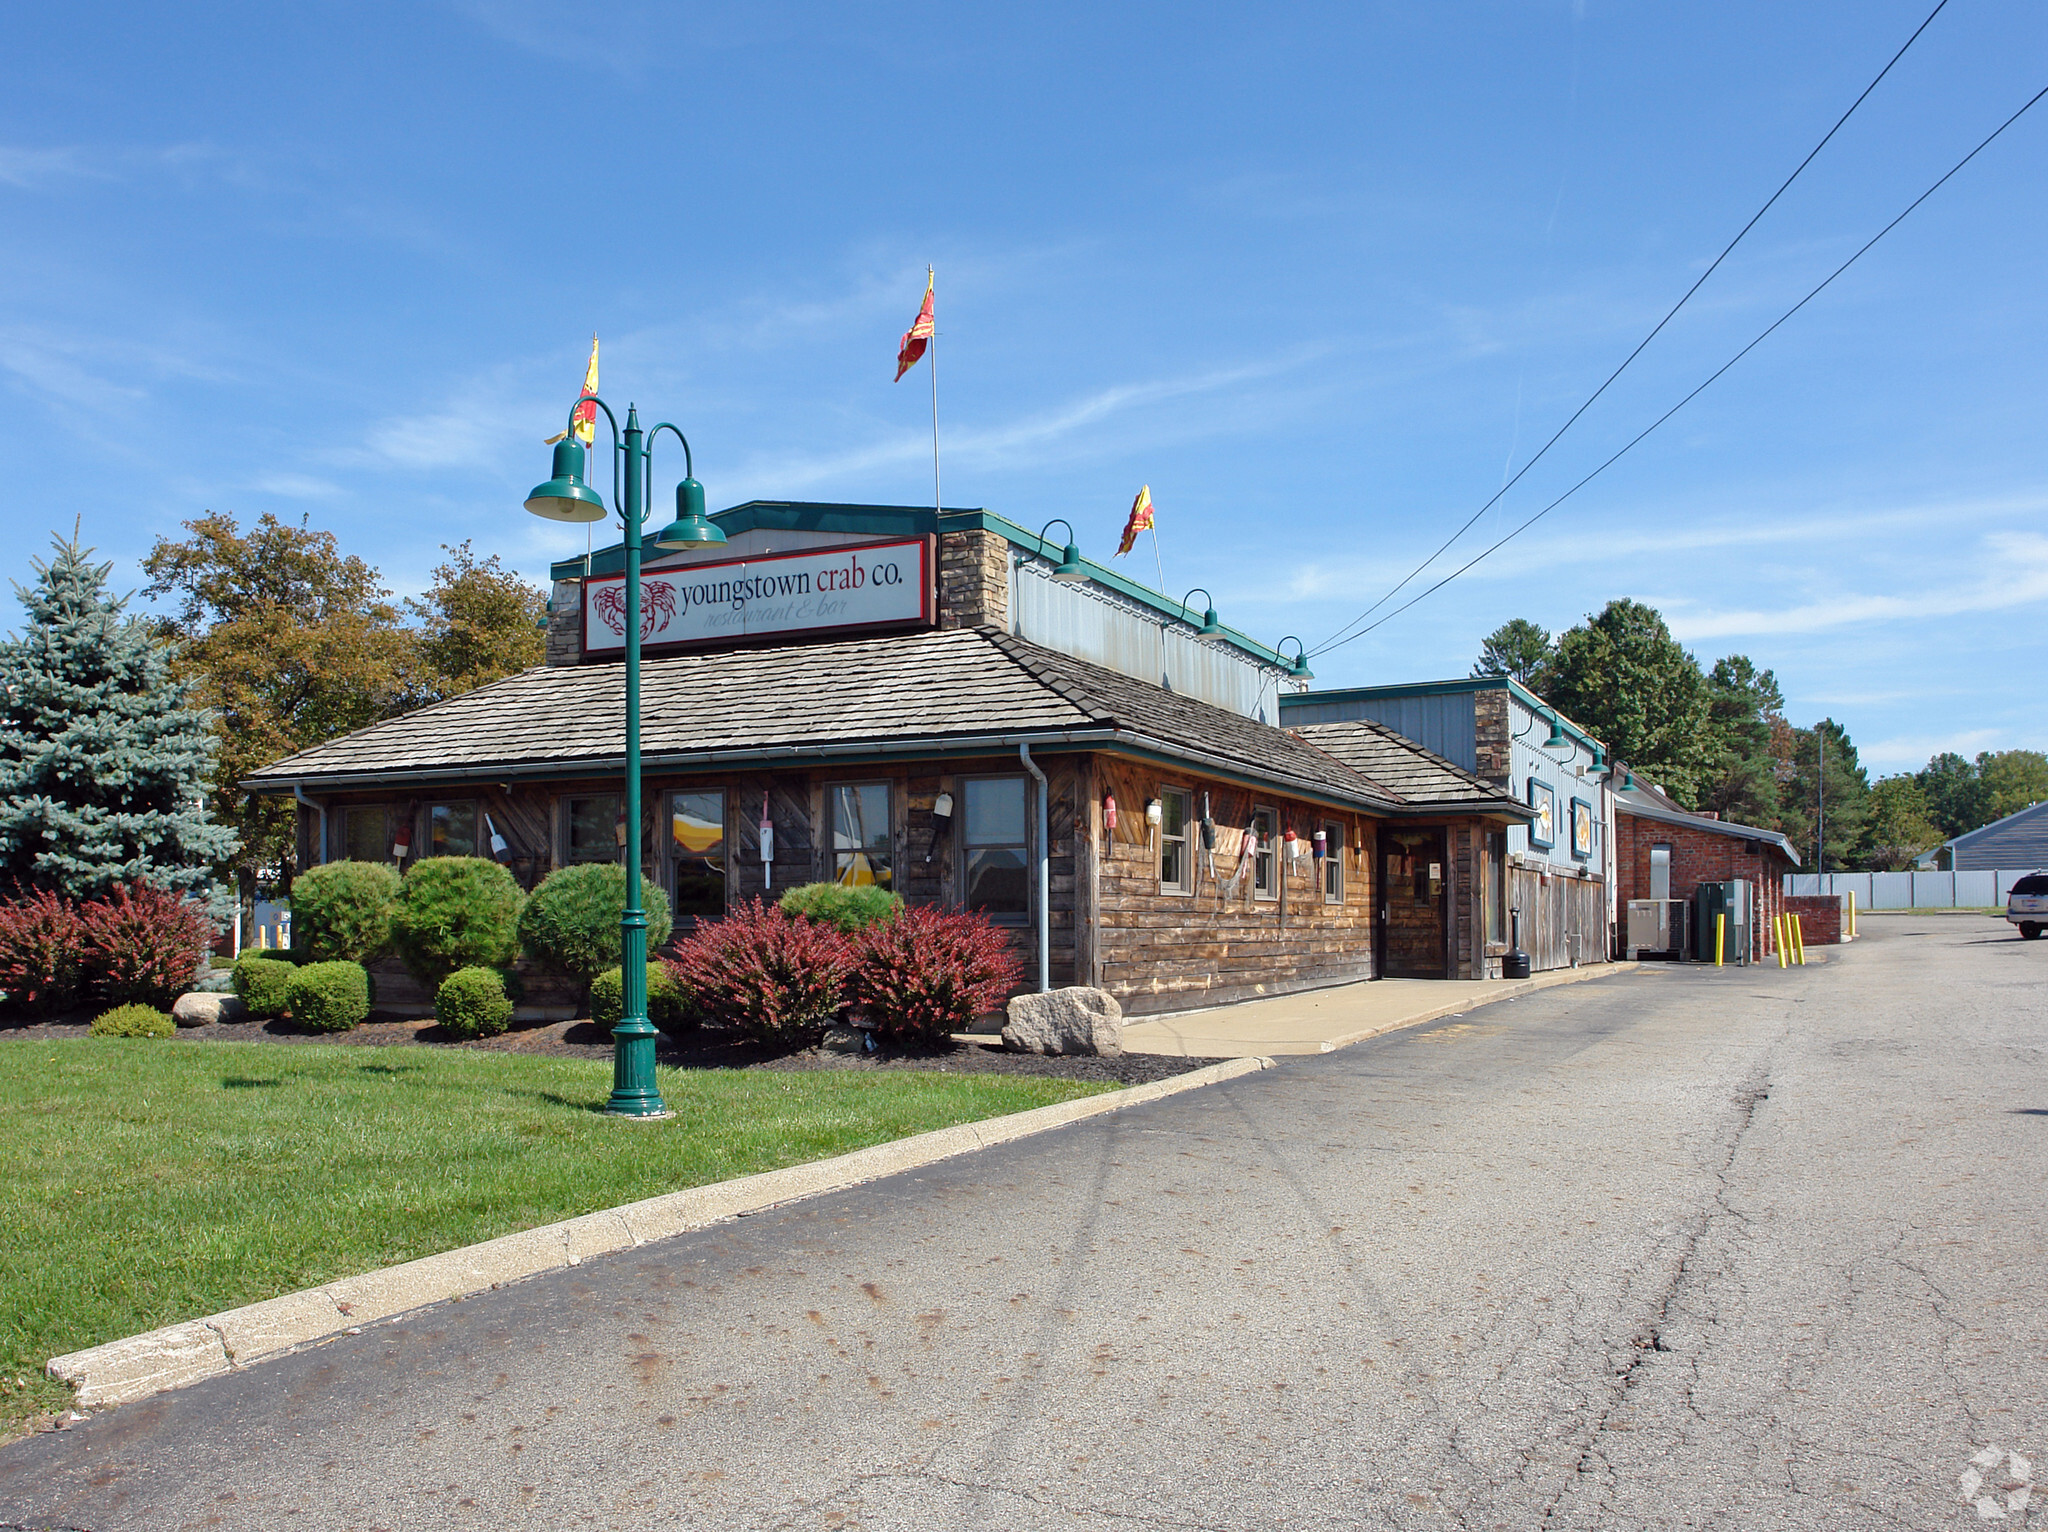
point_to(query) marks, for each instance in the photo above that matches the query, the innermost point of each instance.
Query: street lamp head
(1558, 740)
(691, 528)
(1068, 570)
(1210, 627)
(565, 497)
(1299, 671)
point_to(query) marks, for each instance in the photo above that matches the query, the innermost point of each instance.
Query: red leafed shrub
(143, 943)
(929, 972)
(42, 951)
(764, 974)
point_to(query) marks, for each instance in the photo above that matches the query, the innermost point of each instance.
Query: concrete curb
(176, 1356)
(1523, 987)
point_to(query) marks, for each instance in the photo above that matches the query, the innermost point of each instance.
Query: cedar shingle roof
(932, 690)
(1399, 764)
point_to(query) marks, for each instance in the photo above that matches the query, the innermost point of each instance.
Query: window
(1267, 823)
(1660, 871)
(1496, 886)
(451, 829)
(862, 851)
(696, 852)
(1176, 857)
(1333, 862)
(994, 843)
(594, 830)
(366, 834)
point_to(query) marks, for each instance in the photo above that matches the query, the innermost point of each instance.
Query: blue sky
(1322, 278)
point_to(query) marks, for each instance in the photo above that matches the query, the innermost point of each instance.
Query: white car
(2027, 905)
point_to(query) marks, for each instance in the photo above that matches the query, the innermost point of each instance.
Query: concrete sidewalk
(1323, 1020)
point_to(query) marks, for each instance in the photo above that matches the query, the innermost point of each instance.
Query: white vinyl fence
(1910, 890)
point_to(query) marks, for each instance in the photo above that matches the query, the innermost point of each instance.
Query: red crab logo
(657, 606)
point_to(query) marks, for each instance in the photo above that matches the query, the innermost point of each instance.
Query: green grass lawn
(143, 1183)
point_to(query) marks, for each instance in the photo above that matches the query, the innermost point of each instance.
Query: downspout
(299, 792)
(1044, 875)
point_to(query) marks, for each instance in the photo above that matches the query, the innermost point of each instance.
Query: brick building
(1665, 852)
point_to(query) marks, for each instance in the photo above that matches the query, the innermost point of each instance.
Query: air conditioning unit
(1658, 928)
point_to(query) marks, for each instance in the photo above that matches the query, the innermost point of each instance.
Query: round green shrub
(329, 997)
(341, 911)
(456, 912)
(833, 904)
(133, 1021)
(668, 1004)
(571, 924)
(473, 1002)
(264, 983)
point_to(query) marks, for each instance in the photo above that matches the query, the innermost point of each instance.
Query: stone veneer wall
(565, 623)
(974, 580)
(1491, 736)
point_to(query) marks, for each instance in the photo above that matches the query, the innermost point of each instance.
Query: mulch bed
(710, 1048)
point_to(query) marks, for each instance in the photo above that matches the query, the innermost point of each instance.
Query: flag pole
(1157, 563)
(931, 277)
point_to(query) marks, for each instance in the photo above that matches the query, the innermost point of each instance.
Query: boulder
(1076, 1020)
(843, 1040)
(200, 1010)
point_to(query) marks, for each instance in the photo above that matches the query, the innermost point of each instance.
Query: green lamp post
(567, 497)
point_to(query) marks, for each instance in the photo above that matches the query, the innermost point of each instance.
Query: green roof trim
(1514, 688)
(903, 521)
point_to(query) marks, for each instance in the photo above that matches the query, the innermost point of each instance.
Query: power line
(1334, 638)
(1589, 478)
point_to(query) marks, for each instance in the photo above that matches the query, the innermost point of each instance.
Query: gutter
(1044, 873)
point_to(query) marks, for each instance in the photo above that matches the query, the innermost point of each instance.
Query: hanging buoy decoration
(1292, 848)
(1208, 839)
(499, 845)
(1109, 813)
(767, 845)
(1322, 845)
(942, 816)
(401, 843)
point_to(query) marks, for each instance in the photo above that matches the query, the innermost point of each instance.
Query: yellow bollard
(1778, 940)
(263, 938)
(1720, 937)
(1852, 912)
(1798, 924)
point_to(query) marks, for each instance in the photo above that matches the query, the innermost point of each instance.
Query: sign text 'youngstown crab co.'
(862, 586)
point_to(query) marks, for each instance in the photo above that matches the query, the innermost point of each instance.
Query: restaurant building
(949, 706)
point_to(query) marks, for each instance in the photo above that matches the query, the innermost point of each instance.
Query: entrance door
(1412, 891)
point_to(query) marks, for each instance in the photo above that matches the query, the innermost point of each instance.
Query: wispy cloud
(2020, 560)
(1001, 445)
(296, 486)
(32, 168)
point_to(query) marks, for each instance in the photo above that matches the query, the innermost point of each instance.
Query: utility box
(1732, 899)
(1658, 928)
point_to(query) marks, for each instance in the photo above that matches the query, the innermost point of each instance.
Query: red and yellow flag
(1141, 520)
(919, 335)
(585, 418)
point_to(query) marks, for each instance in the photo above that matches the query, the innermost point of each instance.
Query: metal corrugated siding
(1085, 621)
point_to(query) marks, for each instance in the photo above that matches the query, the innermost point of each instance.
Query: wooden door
(1414, 894)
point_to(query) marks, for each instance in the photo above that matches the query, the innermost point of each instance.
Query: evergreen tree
(104, 762)
(1825, 756)
(1518, 648)
(1745, 713)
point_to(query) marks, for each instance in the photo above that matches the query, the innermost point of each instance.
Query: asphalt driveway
(1676, 1248)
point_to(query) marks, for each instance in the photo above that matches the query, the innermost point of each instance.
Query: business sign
(850, 588)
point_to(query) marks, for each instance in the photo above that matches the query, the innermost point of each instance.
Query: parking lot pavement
(1681, 1248)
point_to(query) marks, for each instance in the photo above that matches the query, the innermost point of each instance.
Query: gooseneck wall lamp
(1068, 570)
(1300, 671)
(566, 496)
(1210, 627)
